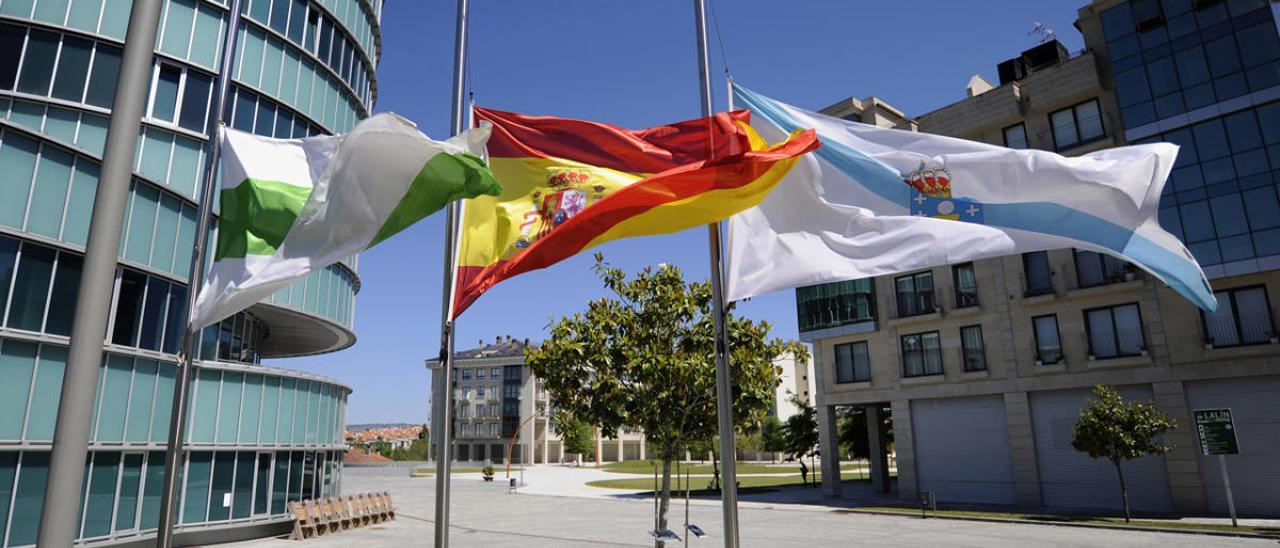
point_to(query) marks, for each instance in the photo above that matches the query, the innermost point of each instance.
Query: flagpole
(724, 383)
(174, 451)
(75, 408)
(444, 388)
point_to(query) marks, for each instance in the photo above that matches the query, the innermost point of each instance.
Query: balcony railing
(1225, 332)
(974, 359)
(1046, 355)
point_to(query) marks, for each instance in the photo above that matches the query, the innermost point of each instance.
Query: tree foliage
(852, 429)
(1113, 429)
(644, 358)
(577, 435)
(773, 435)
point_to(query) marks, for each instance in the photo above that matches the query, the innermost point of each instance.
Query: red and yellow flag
(569, 185)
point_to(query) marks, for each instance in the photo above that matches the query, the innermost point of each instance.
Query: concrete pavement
(551, 511)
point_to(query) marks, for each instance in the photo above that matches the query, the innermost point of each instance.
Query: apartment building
(985, 365)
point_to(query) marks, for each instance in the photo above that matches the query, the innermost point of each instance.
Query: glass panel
(206, 42)
(25, 519)
(220, 498)
(280, 15)
(31, 288)
(251, 409)
(971, 346)
(1036, 269)
(1048, 348)
(229, 410)
(195, 101)
(102, 81)
(47, 391)
(62, 300)
(37, 63)
(140, 401)
(153, 314)
(280, 483)
(84, 186)
(176, 319)
(1064, 128)
(295, 476)
(114, 401)
(18, 364)
(1255, 315)
(1102, 335)
(243, 498)
(73, 68)
(1090, 121)
(130, 480)
(1129, 330)
(128, 307)
(11, 37)
(177, 27)
(18, 156)
(195, 502)
(8, 473)
(205, 411)
(262, 484)
(286, 415)
(966, 286)
(102, 494)
(154, 484)
(164, 401)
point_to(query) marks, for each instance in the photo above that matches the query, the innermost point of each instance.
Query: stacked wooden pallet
(312, 518)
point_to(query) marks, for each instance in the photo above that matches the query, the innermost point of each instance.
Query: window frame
(1235, 317)
(915, 294)
(955, 281)
(1075, 125)
(1026, 141)
(902, 343)
(853, 364)
(1100, 263)
(1035, 333)
(1115, 331)
(964, 350)
(1026, 277)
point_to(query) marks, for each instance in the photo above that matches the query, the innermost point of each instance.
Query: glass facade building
(258, 436)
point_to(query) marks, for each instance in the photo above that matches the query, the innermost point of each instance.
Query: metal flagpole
(724, 388)
(444, 389)
(174, 452)
(58, 525)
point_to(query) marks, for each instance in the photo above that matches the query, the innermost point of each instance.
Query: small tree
(1118, 431)
(802, 432)
(773, 436)
(645, 359)
(577, 436)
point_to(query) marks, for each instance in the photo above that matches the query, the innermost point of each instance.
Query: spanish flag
(570, 185)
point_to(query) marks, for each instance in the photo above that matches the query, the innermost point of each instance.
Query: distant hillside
(373, 425)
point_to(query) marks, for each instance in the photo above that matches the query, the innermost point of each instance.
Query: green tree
(577, 435)
(773, 435)
(1113, 429)
(424, 433)
(644, 358)
(801, 433)
(852, 428)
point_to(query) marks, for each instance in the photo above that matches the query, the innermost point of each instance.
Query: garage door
(1070, 479)
(1255, 472)
(962, 449)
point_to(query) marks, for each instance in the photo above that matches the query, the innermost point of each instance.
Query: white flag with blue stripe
(874, 201)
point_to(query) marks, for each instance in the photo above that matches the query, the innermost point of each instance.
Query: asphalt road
(484, 514)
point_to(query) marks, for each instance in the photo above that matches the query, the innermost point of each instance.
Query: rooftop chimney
(978, 85)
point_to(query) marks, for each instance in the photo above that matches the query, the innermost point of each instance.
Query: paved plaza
(555, 509)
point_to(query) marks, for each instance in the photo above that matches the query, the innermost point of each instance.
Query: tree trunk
(1124, 492)
(664, 500)
(715, 471)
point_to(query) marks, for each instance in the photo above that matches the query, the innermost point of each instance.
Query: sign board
(1217, 432)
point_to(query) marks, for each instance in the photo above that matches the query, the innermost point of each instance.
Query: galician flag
(875, 201)
(292, 206)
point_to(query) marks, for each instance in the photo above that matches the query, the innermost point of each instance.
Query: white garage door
(1070, 479)
(1255, 472)
(962, 449)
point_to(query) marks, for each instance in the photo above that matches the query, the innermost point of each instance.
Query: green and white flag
(292, 206)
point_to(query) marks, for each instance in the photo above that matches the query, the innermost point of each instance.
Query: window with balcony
(1048, 343)
(1093, 269)
(853, 362)
(480, 373)
(915, 294)
(1038, 276)
(966, 283)
(1076, 125)
(972, 349)
(921, 354)
(1243, 317)
(1015, 136)
(479, 391)
(1114, 331)
(480, 410)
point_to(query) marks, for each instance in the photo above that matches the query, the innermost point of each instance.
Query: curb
(1188, 531)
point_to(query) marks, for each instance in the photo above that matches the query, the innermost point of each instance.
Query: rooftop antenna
(1042, 31)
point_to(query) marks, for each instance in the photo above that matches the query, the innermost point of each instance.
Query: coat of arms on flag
(932, 196)
(568, 192)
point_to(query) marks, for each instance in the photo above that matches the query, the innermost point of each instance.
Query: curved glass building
(259, 436)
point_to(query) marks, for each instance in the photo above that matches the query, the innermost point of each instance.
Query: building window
(853, 362)
(480, 391)
(480, 373)
(495, 373)
(835, 304)
(466, 374)
(972, 349)
(966, 283)
(1048, 343)
(1015, 136)
(915, 294)
(466, 392)
(1114, 331)
(1243, 317)
(479, 406)
(1035, 268)
(1077, 125)
(1094, 269)
(921, 355)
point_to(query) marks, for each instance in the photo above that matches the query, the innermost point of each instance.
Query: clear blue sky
(632, 64)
